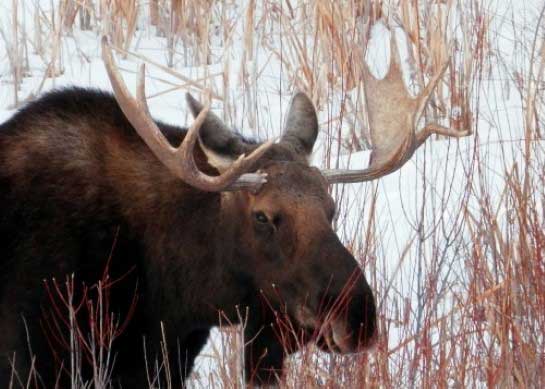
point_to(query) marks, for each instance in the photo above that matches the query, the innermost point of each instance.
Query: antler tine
(141, 89)
(437, 129)
(393, 116)
(395, 58)
(180, 161)
(133, 109)
(434, 128)
(232, 178)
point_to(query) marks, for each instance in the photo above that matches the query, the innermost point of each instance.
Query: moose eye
(261, 217)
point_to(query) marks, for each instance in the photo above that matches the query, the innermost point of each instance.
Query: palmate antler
(393, 117)
(180, 161)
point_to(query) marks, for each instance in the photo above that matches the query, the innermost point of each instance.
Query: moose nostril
(352, 319)
(359, 319)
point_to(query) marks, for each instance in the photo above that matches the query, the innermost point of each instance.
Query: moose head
(287, 245)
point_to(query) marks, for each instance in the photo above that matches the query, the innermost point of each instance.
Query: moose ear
(301, 128)
(221, 145)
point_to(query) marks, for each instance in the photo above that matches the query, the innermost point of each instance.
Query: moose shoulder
(199, 222)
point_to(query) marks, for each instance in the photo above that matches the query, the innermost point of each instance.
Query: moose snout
(349, 324)
(347, 304)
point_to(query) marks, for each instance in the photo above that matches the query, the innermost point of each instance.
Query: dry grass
(462, 295)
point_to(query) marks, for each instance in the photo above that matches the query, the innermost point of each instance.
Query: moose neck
(192, 238)
(204, 253)
(232, 258)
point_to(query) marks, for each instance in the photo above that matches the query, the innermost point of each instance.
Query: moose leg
(26, 358)
(14, 362)
(264, 356)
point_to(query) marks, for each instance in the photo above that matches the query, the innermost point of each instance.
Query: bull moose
(204, 221)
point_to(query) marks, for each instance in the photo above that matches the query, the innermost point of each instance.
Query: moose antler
(393, 117)
(180, 161)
